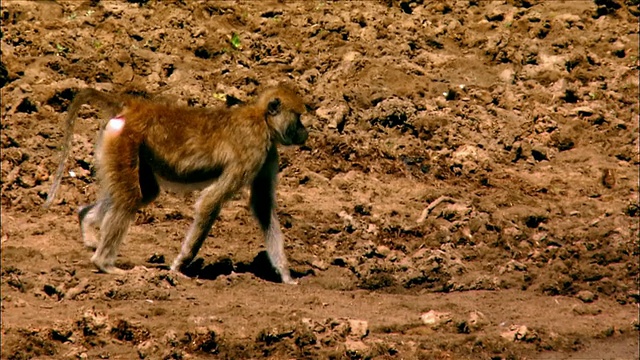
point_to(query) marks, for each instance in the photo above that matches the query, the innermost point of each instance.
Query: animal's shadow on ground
(260, 266)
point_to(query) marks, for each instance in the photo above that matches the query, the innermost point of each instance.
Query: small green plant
(97, 44)
(61, 49)
(235, 41)
(72, 16)
(220, 96)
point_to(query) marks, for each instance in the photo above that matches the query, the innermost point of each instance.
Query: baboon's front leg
(206, 211)
(263, 205)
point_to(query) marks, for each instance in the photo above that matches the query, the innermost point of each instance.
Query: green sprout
(235, 41)
(220, 96)
(61, 49)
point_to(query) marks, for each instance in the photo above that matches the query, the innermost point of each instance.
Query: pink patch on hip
(115, 125)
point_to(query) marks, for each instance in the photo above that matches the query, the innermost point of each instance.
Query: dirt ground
(469, 189)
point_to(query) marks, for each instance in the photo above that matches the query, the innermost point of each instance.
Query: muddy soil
(469, 189)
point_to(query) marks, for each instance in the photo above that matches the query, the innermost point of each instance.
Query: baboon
(148, 145)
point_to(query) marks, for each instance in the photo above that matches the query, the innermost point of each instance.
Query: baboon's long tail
(110, 105)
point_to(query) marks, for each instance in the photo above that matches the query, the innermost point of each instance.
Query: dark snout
(301, 135)
(296, 134)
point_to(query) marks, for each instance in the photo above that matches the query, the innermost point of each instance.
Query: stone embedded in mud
(477, 320)
(383, 251)
(586, 310)
(355, 346)
(319, 264)
(586, 296)
(507, 75)
(358, 328)
(147, 348)
(608, 178)
(540, 153)
(495, 15)
(518, 333)
(583, 111)
(335, 116)
(435, 318)
(93, 323)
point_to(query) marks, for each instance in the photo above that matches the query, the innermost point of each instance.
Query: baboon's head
(283, 108)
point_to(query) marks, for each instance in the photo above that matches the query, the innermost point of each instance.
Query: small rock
(583, 111)
(539, 153)
(26, 88)
(608, 178)
(156, 259)
(495, 15)
(570, 19)
(335, 116)
(53, 290)
(358, 328)
(507, 75)
(586, 296)
(170, 337)
(435, 318)
(356, 346)
(383, 251)
(319, 264)
(477, 320)
(516, 333)
(534, 17)
(586, 310)
(147, 348)
(344, 261)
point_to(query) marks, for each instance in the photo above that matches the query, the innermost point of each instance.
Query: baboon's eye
(273, 108)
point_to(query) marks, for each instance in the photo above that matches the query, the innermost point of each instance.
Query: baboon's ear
(273, 108)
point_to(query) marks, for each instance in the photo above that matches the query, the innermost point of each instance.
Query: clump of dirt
(469, 188)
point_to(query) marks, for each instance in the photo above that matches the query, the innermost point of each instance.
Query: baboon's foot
(90, 238)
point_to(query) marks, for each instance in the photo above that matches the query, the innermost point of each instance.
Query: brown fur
(217, 150)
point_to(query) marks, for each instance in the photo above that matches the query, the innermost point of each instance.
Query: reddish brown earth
(523, 113)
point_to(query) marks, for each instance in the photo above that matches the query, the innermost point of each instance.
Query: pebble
(608, 178)
(383, 251)
(583, 111)
(507, 75)
(586, 296)
(477, 320)
(355, 346)
(516, 333)
(319, 264)
(495, 15)
(358, 328)
(435, 317)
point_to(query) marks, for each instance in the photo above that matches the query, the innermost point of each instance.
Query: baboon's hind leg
(120, 178)
(91, 217)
